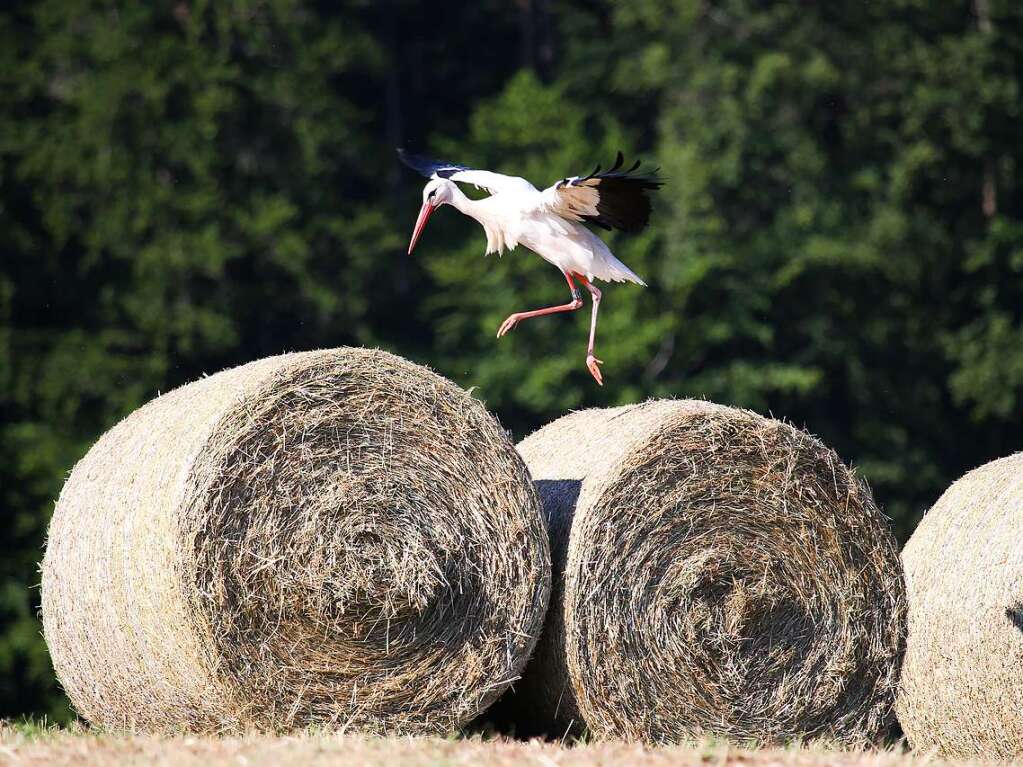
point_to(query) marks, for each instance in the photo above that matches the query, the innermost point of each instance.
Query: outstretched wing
(481, 179)
(614, 199)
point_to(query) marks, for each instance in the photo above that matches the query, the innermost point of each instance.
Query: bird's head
(438, 192)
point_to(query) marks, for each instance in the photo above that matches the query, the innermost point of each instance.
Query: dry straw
(716, 573)
(962, 682)
(338, 537)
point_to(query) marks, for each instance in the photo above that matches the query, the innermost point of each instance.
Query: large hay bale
(962, 679)
(337, 537)
(715, 573)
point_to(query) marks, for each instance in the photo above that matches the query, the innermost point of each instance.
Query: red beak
(424, 216)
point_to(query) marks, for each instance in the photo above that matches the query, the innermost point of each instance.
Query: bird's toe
(507, 325)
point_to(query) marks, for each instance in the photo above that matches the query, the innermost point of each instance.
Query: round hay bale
(961, 690)
(337, 537)
(715, 573)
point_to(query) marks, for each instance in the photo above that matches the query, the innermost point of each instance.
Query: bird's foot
(591, 363)
(508, 324)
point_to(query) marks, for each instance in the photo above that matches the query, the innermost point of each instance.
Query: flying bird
(549, 222)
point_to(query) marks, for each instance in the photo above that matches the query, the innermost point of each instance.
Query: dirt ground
(61, 747)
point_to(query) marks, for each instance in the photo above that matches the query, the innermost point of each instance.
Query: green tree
(838, 242)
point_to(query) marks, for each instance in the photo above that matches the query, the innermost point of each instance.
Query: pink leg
(514, 319)
(591, 361)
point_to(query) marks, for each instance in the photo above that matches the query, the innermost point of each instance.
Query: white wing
(481, 179)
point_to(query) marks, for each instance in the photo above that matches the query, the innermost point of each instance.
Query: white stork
(548, 222)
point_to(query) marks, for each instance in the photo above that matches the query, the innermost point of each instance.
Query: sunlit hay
(337, 537)
(962, 680)
(716, 573)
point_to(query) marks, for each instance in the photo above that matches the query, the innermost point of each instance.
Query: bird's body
(550, 222)
(516, 217)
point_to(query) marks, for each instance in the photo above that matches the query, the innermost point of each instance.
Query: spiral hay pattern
(715, 573)
(961, 688)
(338, 537)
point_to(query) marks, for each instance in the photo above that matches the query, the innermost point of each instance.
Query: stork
(549, 222)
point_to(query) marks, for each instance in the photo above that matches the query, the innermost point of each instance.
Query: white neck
(497, 237)
(465, 205)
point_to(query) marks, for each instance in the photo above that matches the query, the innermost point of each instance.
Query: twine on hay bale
(337, 537)
(961, 691)
(715, 573)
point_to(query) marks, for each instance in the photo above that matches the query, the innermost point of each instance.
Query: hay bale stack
(961, 690)
(715, 573)
(337, 537)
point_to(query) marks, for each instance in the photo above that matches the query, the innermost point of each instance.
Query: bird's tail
(621, 273)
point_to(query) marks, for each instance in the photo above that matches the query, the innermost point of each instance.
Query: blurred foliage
(186, 186)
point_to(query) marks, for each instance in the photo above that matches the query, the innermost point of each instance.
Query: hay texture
(337, 537)
(715, 573)
(962, 680)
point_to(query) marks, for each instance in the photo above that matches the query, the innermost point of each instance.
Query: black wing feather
(428, 166)
(624, 199)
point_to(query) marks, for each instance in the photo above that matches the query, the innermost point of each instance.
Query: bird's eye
(431, 194)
